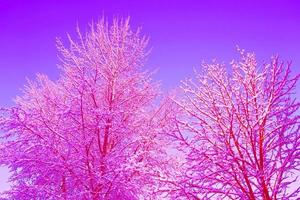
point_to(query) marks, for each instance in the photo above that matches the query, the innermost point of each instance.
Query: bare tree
(93, 134)
(240, 130)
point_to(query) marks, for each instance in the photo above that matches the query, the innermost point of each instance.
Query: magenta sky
(182, 34)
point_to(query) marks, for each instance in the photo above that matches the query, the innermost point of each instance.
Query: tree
(92, 134)
(240, 132)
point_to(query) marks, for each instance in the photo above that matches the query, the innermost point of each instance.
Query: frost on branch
(240, 130)
(93, 134)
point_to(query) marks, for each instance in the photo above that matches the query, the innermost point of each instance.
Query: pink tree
(94, 133)
(240, 130)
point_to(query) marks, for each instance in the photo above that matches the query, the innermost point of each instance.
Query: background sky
(182, 35)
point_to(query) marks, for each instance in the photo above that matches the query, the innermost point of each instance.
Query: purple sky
(182, 34)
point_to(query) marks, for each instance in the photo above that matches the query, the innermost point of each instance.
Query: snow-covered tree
(239, 128)
(93, 133)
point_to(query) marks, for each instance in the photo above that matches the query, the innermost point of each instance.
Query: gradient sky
(182, 35)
